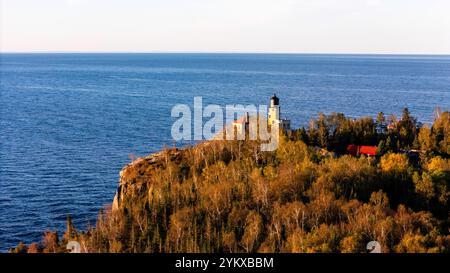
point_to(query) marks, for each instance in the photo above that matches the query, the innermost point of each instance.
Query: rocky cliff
(134, 175)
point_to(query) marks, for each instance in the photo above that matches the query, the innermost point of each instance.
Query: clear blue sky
(310, 26)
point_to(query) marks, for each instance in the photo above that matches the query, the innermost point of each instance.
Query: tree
(50, 242)
(439, 167)
(33, 248)
(21, 248)
(407, 128)
(292, 152)
(381, 119)
(441, 132)
(350, 244)
(253, 229)
(71, 232)
(260, 188)
(322, 239)
(312, 133)
(394, 163)
(382, 148)
(322, 131)
(426, 141)
(412, 243)
(301, 135)
(379, 199)
(439, 175)
(424, 185)
(180, 229)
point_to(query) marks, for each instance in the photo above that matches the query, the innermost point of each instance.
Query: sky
(279, 26)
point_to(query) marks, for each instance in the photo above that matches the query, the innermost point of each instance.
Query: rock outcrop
(133, 175)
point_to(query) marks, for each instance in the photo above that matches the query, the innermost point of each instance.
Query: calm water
(68, 122)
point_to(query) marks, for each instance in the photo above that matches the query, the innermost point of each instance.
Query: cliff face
(134, 176)
(139, 178)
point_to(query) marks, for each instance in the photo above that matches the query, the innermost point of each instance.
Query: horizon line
(222, 52)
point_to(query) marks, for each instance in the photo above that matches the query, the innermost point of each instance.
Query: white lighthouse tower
(274, 110)
(274, 117)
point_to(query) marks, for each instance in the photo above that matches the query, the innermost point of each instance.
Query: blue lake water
(68, 122)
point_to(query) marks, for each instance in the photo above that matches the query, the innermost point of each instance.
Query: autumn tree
(252, 233)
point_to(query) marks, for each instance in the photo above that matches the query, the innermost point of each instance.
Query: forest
(307, 196)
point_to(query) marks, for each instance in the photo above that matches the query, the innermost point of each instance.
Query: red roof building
(356, 150)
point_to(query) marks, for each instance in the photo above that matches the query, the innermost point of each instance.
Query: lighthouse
(274, 115)
(274, 110)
